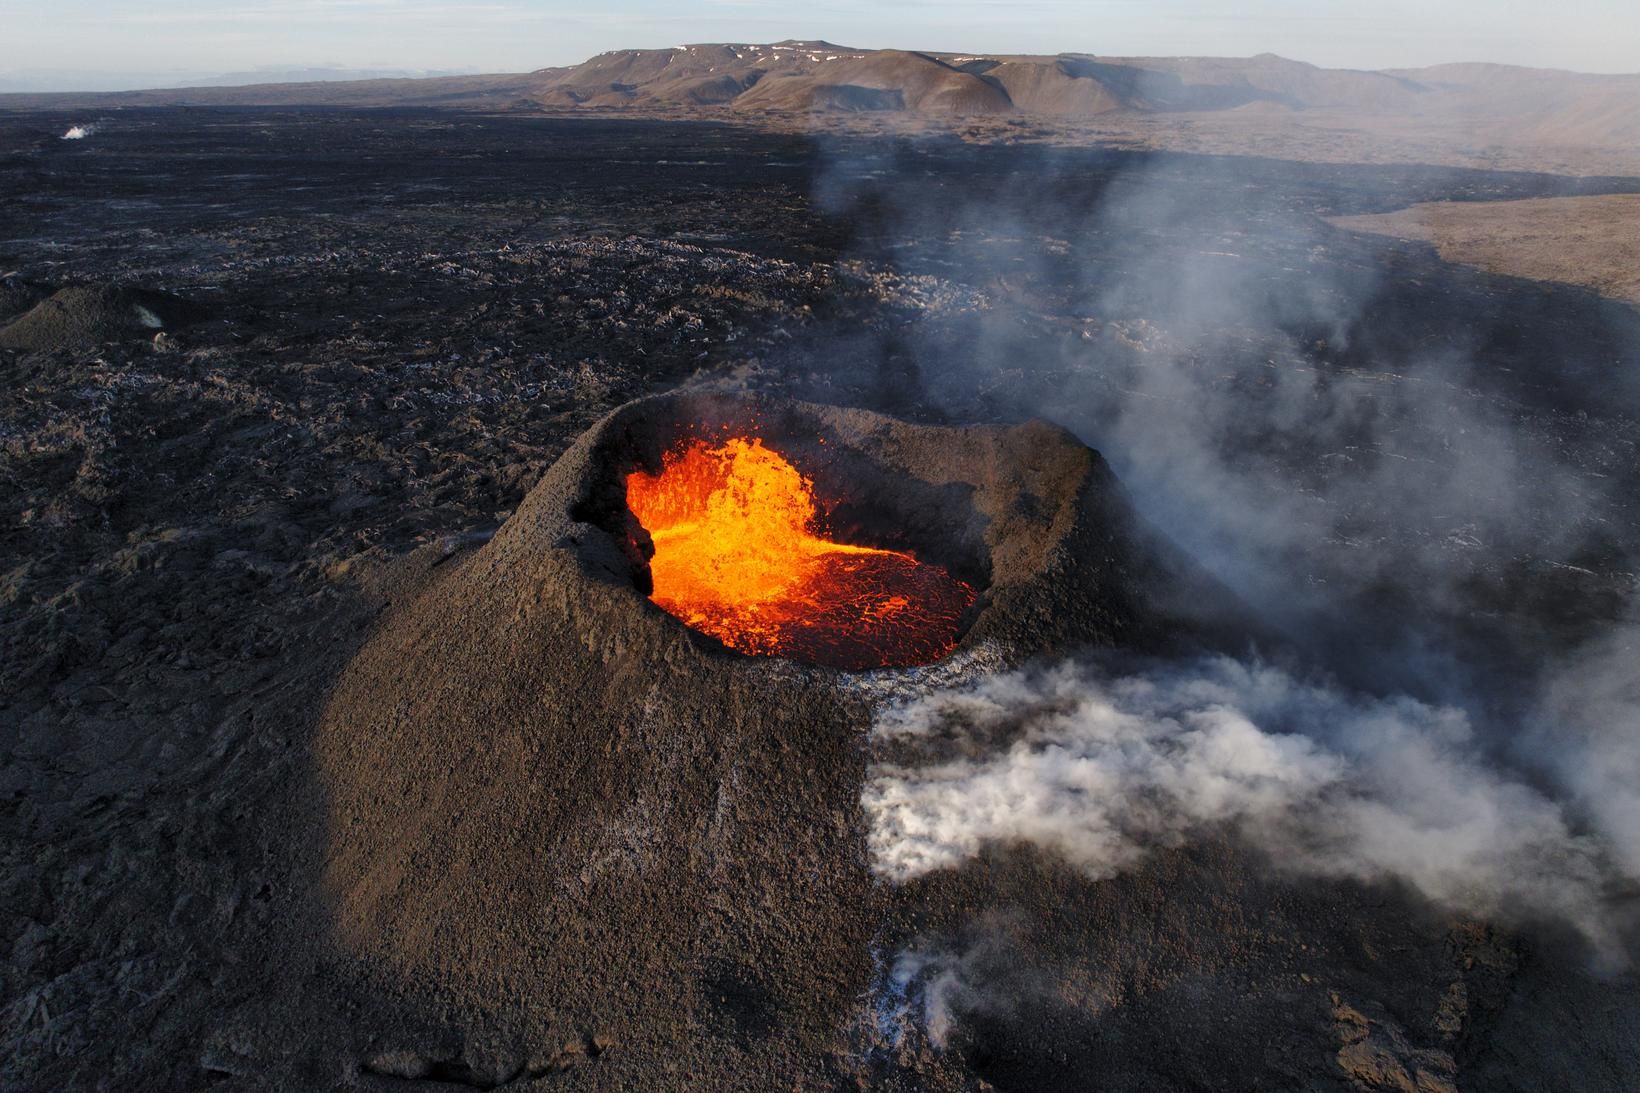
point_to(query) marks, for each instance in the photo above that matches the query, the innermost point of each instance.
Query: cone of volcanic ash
(604, 772)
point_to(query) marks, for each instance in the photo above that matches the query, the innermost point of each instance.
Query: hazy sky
(211, 36)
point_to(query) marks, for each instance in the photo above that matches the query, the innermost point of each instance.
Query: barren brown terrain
(1589, 241)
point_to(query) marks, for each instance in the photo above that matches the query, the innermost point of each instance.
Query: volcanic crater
(543, 786)
(799, 546)
(1027, 521)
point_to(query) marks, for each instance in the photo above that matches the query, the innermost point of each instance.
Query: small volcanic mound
(86, 315)
(546, 786)
(17, 295)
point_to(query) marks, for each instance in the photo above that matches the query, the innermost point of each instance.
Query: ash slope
(568, 811)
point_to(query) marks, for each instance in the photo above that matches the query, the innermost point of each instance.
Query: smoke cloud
(1362, 452)
(928, 990)
(1105, 769)
(1420, 478)
(79, 132)
(1586, 733)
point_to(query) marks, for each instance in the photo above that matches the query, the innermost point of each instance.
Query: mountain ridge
(1499, 104)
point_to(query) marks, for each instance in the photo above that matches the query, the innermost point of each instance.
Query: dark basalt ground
(405, 319)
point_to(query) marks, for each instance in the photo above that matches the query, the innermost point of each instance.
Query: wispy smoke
(927, 990)
(79, 132)
(1421, 478)
(1586, 732)
(1105, 769)
(1352, 448)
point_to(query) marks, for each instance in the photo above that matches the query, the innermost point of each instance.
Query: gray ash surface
(407, 317)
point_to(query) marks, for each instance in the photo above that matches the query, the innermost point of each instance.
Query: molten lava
(737, 557)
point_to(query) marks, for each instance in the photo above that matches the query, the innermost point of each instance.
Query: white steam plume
(1344, 447)
(930, 988)
(1587, 733)
(1106, 769)
(79, 132)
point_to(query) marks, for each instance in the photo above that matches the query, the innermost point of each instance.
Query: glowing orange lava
(737, 557)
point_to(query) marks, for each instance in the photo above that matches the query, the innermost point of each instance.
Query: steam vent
(603, 787)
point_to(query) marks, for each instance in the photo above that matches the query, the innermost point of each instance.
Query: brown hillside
(1590, 241)
(1269, 77)
(917, 82)
(694, 75)
(1055, 89)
